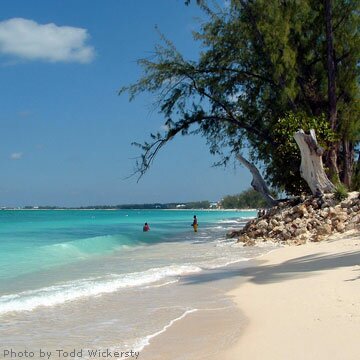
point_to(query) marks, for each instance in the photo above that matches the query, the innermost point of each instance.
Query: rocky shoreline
(302, 219)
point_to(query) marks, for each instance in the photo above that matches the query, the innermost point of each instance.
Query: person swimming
(195, 224)
(146, 227)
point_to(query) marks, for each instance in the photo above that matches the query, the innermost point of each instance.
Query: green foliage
(262, 61)
(340, 192)
(284, 164)
(248, 199)
(197, 205)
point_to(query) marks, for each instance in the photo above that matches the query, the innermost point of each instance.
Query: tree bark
(356, 174)
(348, 163)
(330, 65)
(258, 183)
(331, 159)
(312, 169)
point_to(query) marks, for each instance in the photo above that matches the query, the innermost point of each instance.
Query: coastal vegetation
(266, 70)
(248, 199)
(205, 204)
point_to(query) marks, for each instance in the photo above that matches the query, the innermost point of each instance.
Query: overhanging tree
(262, 62)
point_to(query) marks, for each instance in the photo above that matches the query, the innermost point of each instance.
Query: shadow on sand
(294, 268)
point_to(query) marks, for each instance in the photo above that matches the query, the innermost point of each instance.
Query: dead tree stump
(312, 168)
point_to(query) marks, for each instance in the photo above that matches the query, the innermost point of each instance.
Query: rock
(294, 223)
(318, 238)
(310, 209)
(243, 239)
(350, 226)
(341, 217)
(315, 223)
(325, 213)
(233, 234)
(274, 223)
(300, 241)
(332, 212)
(315, 204)
(251, 234)
(250, 242)
(279, 229)
(325, 205)
(340, 227)
(286, 235)
(346, 205)
(324, 229)
(300, 231)
(301, 210)
(259, 233)
(262, 224)
(355, 219)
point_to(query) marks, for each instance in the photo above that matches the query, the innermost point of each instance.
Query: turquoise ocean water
(55, 263)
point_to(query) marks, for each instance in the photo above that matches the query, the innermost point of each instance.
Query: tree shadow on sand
(356, 277)
(300, 267)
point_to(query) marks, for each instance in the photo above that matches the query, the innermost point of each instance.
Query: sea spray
(58, 294)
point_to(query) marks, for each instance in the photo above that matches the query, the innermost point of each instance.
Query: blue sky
(65, 133)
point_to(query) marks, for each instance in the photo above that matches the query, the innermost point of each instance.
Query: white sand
(299, 302)
(302, 303)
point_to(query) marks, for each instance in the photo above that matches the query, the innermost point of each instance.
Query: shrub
(340, 192)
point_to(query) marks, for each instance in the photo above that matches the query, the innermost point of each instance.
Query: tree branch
(258, 183)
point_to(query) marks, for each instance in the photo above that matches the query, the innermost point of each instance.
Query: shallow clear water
(93, 277)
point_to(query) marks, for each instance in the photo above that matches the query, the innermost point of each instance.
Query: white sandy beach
(302, 303)
(299, 302)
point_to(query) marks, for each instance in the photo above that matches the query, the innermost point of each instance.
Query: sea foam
(74, 290)
(140, 344)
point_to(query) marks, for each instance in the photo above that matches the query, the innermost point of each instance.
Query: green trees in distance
(248, 199)
(204, 204)
(263, 73)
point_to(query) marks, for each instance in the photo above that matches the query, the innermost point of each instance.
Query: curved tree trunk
(312, 169)
(332, 156)
(258, 182)
(347, 172)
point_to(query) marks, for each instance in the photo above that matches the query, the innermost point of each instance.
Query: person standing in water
(195, 224)
(146, 227)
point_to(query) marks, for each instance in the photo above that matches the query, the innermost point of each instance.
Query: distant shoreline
(93, 209)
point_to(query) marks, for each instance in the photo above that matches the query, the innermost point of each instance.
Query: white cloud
(29, 40)
(16, 156)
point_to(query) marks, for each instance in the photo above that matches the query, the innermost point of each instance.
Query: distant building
(180, 206)
(214, 205)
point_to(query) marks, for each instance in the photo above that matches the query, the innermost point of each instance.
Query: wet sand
(294, 303)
